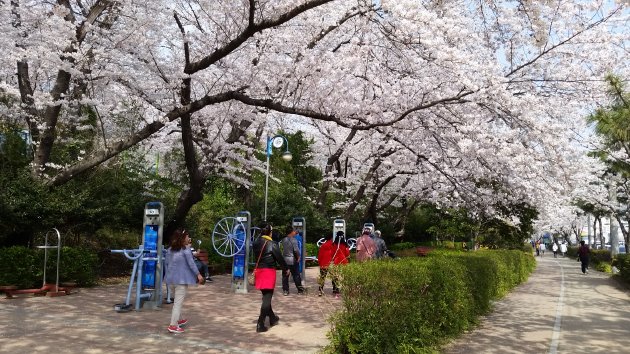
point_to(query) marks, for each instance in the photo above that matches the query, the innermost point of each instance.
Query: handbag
(251, 278)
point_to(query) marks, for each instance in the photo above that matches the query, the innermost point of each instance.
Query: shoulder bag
(251, 278)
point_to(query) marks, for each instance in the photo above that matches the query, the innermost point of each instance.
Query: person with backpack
(325, 260)
(366, 248)
(340, 257)
(583, 255)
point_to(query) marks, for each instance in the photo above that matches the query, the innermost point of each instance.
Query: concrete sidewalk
(220, 322)
(558, 310)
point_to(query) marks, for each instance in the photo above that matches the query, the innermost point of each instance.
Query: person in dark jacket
(267, 254)
(583, 254)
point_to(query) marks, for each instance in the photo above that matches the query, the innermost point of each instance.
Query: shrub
(401, 246)
(18, 267)
(623, 263)
(24, 267)
(435, 297)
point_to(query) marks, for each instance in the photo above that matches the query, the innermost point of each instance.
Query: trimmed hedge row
(622, 263)
(24, 267)
(412, 305)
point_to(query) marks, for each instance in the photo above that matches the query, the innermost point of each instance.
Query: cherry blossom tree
(461, 103)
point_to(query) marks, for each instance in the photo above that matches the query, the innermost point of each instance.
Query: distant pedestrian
(291, 254)
(554, 248)
(381, 246)
(268, 256)
(543, 247)
(537, 248)
(201, 266)
(366, 248)
(583, 255)
(563, 248)
(181, 271)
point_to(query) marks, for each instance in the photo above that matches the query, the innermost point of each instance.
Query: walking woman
(268, 255)
(340, 256)
(181, 271)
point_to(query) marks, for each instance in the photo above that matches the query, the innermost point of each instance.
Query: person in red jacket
(325, 260)
(340, 256)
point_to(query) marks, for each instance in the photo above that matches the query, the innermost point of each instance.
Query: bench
(47, 290)
(202, 255)
(423, 251)
(310, 260)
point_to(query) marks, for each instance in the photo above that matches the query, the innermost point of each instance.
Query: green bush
(401, 246)
(622, 262)
(435, 297)
(600, 256)
(18, 266)
(24, 267)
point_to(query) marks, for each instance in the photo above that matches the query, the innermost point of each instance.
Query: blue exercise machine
(147, 273)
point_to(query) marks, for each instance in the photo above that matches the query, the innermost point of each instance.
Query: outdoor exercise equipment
(47, 289)
(232, 237)
(339, 225)
(147, 262)
(299, 224)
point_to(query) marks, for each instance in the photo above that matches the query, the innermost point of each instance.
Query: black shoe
(208, 279)
(301, 291)
(261, 328)
(285, 292)
(274, 321)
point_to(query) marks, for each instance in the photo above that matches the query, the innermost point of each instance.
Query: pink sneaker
(175, 329)
(182, 323)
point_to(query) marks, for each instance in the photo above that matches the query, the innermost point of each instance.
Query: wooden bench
(423, 251)
(47, 290)
(202, 255)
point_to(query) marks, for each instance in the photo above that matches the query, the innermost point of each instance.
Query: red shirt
(325, 254)
(341, 254)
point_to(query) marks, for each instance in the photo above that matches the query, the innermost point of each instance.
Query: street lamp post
(275, 142)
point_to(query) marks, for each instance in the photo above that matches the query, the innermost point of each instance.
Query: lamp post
(275, 142)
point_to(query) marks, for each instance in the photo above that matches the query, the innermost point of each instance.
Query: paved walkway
(558, 310)
(220, 322)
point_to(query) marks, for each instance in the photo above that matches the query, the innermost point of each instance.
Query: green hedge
(412, 305)
(622, 262)
(24, 267)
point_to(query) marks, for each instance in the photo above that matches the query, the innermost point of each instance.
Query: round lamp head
(286, 156)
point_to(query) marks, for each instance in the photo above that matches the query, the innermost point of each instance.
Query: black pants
(297, 279)
(584, 261)
(265, 308)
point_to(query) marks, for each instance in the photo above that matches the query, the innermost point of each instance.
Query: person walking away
(268, 255)
(366, 248)
(554, 248)
(543, 247)
(583, 255)
(381, 247)
(340, 257)
(563, 248)
(325, 260)
(291, 254)
(537, 248)
(181, 271)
